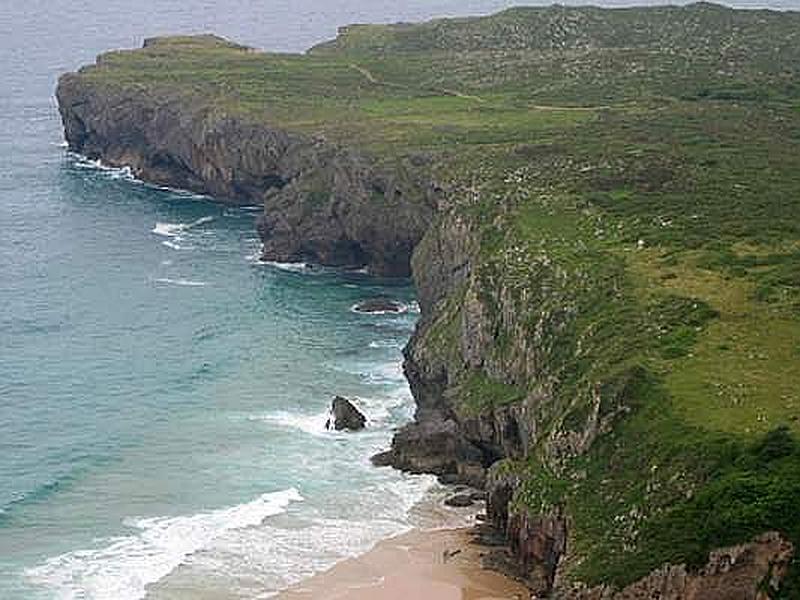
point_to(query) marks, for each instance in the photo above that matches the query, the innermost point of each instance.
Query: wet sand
(419, 565)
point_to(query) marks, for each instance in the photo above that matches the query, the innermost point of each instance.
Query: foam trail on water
(399, 310)
(296, 267)
(180, 282)
(386, 344)
(310, 424)
(175, 229)
(123, 569)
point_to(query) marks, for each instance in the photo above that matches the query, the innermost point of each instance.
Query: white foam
(310, 424)
(123, 569)
(386, 344)
(122, 173)
(126, 173)
(174, 230)
(292, 267)
(381, 373)
(172, 245)
(277, 557)
(181, 282)
(401, 309)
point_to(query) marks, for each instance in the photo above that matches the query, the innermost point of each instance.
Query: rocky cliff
(323, 203)
(605, 259)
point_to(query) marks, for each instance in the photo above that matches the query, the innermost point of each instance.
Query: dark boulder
(379, 306)
(345, 416)
(459, 500)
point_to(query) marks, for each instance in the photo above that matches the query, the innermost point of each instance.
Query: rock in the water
(459, 500)
(380, 306)
(345, 416)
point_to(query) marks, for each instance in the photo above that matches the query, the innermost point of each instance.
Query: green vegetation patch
(479, 392)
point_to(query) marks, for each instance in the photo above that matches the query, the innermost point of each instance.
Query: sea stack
(345, 416)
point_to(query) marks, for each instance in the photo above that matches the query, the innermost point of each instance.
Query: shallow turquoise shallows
(163, 395)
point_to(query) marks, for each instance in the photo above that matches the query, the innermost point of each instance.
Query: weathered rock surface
(345, 416)
(743, 572)
(322, 203)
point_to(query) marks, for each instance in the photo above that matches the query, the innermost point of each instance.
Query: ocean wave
(292, 267)
(398, 308)
(82, 162)
(375, 373)
(174, 230)
(124, 568)
(310, 424)
(40, 492)
(379, 410)
(378, 344)
(277, 557)
(180, 282)
(172, 245)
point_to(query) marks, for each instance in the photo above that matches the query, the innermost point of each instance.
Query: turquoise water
(152, 368)
(163, 394)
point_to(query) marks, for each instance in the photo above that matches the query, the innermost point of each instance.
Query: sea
(163, 393)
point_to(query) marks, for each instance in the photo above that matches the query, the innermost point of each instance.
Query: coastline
(442, 564)
(525, 275)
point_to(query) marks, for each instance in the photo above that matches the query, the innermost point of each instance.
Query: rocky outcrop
(345, 416)
(379, 306)
(750, 571)
(322, 203)
(434, 444)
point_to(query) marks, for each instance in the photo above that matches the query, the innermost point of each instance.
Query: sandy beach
(419, 565)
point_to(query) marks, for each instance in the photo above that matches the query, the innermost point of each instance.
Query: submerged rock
(345, 416)
(380, 306)
(459, 500)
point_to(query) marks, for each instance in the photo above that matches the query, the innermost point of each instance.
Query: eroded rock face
(322, 203)
(743, 572)
(345, 416)
(434, 445)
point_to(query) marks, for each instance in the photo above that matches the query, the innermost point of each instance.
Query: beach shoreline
(438, 564)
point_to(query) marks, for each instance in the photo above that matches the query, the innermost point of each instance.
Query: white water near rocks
(162, 392)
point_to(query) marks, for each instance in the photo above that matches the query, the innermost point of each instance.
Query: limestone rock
(345, 416)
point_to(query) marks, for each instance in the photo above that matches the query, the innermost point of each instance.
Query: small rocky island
(345, 416)
(600, 210)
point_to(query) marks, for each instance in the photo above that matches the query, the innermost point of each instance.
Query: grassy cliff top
(653, 156)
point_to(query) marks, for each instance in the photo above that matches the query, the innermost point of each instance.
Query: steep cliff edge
(323, 203)
(603, 211)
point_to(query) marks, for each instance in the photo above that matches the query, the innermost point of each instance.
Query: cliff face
(751, 571)
(322, 203)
